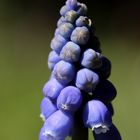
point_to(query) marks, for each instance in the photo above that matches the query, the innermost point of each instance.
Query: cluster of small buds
(77, 69)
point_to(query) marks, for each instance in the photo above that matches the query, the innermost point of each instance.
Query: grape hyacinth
(78, 94)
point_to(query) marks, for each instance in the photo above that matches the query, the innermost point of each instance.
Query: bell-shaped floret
(65, 29)
(86, 80)
(70, 16)
(82, 9)
(64, 9)
(52, 88)
(47, 108)
(83, 21)
(97, 117)
(53, 58)
(58, 42)
(58, 126)
(80, 35)
(70, 99)
(70, 52)
(64, 72)
(72, 4)
(91, 59)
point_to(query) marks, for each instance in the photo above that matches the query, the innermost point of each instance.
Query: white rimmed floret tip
(100, 128)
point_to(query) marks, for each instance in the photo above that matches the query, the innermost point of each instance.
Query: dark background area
(26, 29)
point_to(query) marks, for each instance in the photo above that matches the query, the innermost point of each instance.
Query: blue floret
(64, 72)
(70, 52)
(80, 35)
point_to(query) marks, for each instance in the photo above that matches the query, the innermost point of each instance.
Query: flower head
(80, 35)
(91, 59)
(70, 52)
(47, 108)
(97, 117)
(64, 72)
(57, 126)
(58, 42)
(52, 88)
(65, 29)
(70, 99)
(86, 80)
(53, 58)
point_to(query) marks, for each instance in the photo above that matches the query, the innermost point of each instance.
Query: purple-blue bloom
(83, 21)
(47, 108)
(70, 99)
(53, 58)
(82, 10)
(60, 21)
(52, 88)
(86, 80)
(71, 16)
(58, 42)
(91, 59)
(64, 72)
(97, 117)
(70, 52)
(64, 10)
(65, 29)
(71, 4)
(80, 35)
(57, 127)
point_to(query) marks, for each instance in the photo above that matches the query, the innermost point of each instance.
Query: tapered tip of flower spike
(71, 3)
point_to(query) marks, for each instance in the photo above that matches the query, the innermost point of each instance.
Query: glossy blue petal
(70, 99)
(65, 29)
(105, 91)
(52, 88)
(72, 4)
(53, 58)
(91, 59)
(64, 9)
(64, 72)
(58, 126)
(47, 108)
(80, 35)
(96, 116)
(58, 42)
(83, 21)
(82, 10)
(60, 21)
(112, 134)
(70, 16)
(70, 52)
(86, 80)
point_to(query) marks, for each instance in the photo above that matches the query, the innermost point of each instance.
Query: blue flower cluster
(78, 70)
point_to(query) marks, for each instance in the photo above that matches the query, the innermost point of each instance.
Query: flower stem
(80, 132)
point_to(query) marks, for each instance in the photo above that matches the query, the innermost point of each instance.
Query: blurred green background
(26, 29)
